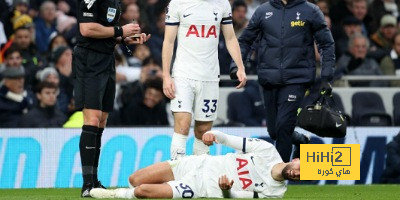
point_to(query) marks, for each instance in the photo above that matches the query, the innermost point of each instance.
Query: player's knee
(142, 191)
(134, 180)
(182, 128)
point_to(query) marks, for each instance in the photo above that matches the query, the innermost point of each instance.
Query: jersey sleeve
(88, 11)
(246, 145)
(227, 13)
(172, 14)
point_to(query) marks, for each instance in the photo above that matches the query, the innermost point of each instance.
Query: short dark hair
(22, 28)
(11, 50)
(45, 84)
(155, 83)
(238, 3)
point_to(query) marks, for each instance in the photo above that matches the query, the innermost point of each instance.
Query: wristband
(118, 32)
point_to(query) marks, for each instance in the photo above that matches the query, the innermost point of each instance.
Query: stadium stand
(368, 110)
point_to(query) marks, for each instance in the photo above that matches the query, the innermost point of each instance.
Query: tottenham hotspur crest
(111, 12)
(298, 16)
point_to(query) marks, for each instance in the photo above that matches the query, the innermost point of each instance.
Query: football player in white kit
(257, 171)
(193, 86)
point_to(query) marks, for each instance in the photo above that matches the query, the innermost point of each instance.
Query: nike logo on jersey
(89, 3)
(184, 16)
(338, 125)
(268, 15)
(251, 157)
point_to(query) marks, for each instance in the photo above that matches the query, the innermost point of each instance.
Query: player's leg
(289, 100)
(181, 106)
(153, 191)
(153, 174)
(200, 128)
(107, 106)
(205, 112)
(270, 105)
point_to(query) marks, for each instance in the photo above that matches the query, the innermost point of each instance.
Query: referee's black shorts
(94, 79)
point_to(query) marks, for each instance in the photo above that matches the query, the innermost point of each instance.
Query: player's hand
(130, 30)
(169, 87)
(209, 138)
(138, 40)
(224, 183)
(241, 74)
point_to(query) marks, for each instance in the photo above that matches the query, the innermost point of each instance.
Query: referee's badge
(111, 14)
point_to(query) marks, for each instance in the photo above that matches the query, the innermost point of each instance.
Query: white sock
(199, 147)
(125, 193)
(178, 145)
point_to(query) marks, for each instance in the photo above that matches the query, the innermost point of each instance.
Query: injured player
(257, 171)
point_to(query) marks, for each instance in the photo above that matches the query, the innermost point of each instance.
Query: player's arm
(246, 145)
(167, 51)
(234, 50)
(225, 185)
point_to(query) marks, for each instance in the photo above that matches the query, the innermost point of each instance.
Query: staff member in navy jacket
(286, 61)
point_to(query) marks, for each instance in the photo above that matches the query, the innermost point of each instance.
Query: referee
(94, 76)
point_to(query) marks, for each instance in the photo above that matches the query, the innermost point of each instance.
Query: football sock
(125, 193)
(96, 158)
(87, 149)
(178, 145)
(199, 147)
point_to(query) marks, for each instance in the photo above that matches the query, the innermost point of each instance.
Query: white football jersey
(199, 24)
(250, 171)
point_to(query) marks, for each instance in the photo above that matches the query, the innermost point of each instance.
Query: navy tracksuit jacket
(286, 60)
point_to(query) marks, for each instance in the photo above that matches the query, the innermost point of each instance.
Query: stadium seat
(234, 101)
(339, 105)
(368, 110)
(396, 109)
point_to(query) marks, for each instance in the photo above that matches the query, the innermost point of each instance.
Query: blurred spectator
(14, 99)
(150, 70)
(359, 11)
(18, 8)
(390, 65)
(45, 25)
(62, 60)
(149, 109)
(130, 12)
(239, 20)
(391, 174)
(140, 53)
(45, 114)
(379, 8)
(57, 41)
(324, 6)
(341, 9)
(355, 62)
(157, 37)
(252, 5)
(12, 58)
(31, 59)
(351, 26)
(250, 106)
(382, 40)
(3, 37)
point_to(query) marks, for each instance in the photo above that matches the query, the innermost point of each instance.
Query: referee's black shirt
(104, 12)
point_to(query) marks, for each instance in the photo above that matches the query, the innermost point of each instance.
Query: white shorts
(187, 181)
(198, 97)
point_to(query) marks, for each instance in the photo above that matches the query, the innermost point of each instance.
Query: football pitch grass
(376, 192)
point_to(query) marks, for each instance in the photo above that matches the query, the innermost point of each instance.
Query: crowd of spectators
(37, 39)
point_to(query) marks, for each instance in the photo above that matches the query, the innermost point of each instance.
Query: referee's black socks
(96, 158)
(87, 147)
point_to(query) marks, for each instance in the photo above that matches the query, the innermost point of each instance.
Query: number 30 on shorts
(206, 107)
(187, 192)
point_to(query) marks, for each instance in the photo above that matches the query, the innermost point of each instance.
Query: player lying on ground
(256, 172)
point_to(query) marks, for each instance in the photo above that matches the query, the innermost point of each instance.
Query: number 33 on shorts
(207, 107)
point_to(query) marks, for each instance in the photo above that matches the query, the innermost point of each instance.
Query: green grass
(375, 192)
